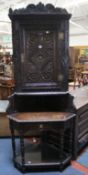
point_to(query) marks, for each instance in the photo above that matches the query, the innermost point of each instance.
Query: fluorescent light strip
(77, 25)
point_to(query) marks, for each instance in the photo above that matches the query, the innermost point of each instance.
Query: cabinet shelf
(42, 155)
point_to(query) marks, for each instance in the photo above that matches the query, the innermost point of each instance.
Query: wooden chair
(77, 80)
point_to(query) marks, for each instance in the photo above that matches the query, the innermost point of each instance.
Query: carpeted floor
(83, 159)
(7, 168)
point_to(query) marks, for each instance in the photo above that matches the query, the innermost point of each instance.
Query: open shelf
(42, 155)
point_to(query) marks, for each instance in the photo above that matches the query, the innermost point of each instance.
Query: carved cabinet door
(38, 59)
(42, 56)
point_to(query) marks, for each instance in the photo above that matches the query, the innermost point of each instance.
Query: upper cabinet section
(40, 48)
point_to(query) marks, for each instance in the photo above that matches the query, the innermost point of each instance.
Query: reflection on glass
(61, 35)
(47, 32)
(40, 46)
(60, 77)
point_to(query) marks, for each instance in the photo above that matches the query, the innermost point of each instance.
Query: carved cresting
(39, 8)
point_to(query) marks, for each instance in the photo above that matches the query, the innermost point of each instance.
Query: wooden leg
(13, 140)
(22, 150)
(61, 143)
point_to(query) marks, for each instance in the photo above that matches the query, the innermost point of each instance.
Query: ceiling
(78, 9)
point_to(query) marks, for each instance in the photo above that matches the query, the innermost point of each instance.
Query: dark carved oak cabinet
(40, 48)
(41, 104)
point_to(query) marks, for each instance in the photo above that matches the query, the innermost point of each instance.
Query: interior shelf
(41, 155)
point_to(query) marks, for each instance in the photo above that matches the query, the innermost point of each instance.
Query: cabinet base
(42, 157)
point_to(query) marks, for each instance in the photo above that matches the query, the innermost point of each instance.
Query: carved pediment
(40, 8)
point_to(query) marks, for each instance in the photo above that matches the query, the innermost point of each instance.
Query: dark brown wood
(53, 133)
(41, 102)
(40, 47)
(40, 116)
(13, 141)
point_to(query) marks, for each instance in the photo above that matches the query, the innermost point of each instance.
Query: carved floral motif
(39, 49)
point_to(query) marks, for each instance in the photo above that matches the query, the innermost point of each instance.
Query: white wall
(78, 40)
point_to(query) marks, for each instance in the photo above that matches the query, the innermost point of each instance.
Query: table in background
(4, 123)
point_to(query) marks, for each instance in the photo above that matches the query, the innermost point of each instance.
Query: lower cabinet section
(71, 139)
(53, 149)
(41, 156)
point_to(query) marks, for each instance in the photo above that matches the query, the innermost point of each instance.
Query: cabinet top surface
(41, 116)
(80, 97)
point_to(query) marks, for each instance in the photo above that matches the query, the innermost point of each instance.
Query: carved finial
(31, 6)
(50, 7)
(40, 6)
(10, 11)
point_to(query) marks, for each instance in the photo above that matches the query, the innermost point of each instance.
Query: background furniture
(81, 110)
(73, 60)
(6, 91)
(4, 123)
